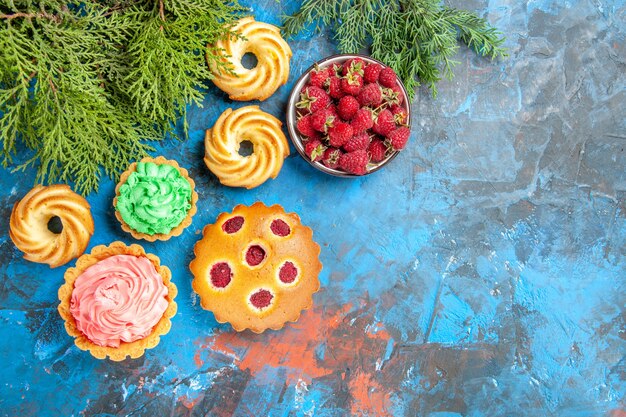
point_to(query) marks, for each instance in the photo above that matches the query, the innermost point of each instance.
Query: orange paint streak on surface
(377, 331)
(292, 348)
(197, 358)
(369, 398)
(348, 338)
(188, 402)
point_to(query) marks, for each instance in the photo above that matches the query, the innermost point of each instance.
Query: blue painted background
(480, 274)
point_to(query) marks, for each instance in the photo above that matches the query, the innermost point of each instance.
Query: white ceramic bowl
(292, 115)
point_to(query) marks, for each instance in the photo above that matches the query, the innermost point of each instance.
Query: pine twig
(38, 15)
(417, 38)
(84, 87)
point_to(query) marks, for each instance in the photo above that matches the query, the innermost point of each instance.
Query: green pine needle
(417, 38)
(85, 84)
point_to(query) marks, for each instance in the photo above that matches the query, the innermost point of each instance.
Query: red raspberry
(353, 66)
(333, 110)
(399, 114)
(319, 76)
(287, 272)
(317, 135)
(221, 274)
(304, 126)
(336, 69)
(370, 95)
(352, 84)
(334, 88)
(313, 98)
(387, 77)
(377, 150)
(261, 299)
(354, 162)
(393, 95)
(339, 134)
(357, 142)
(370, 73)
(331, 157)
(280, 228)
(398, 138)
(255, 255)
(384, 123)
(322, 119)
(362, 120)
(347, 107)
(314, 149)
(233, 224)
(399, 93)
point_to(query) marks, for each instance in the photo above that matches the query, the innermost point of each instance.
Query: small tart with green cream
(155, 199)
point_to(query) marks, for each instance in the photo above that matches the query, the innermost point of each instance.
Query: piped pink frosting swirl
(119, 299)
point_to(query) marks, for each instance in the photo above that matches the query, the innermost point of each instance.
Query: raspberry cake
(256, 268)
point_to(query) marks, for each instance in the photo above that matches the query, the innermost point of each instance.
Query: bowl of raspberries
(349, 115)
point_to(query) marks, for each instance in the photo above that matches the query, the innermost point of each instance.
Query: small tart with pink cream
(117, 301)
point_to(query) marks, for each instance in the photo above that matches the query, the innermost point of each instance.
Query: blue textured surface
(481, 273)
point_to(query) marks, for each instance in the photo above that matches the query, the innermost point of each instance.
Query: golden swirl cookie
(51, 224)
(118, 301)
(256, 268)
(272, 68)
(222, 143)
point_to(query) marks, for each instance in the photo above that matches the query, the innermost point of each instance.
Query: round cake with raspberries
(352, 116)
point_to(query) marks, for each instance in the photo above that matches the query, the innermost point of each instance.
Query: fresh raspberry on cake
(371, 72)
(233, 225)
(384, 123)
(319, 76)
(351, 84)
(287, 273)
(398, 138)
(354, 162)
(387, 77)
(331, 157)
(377, 150)
(334, 87)
(314, 149)
(280, 228)
(370, 95)
(255, 255)
(347, 107)
(322, 119)
(353, 66)
(261, 299)
(221, 275)
(357, 142)
(362, 120)
(304, 126)
(313, 98)
(339, 134)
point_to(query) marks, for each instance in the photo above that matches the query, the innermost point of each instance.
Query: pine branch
(39, 15)
(417, 38)
(84, 85)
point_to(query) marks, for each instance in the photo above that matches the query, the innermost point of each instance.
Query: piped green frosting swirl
(154, 199)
